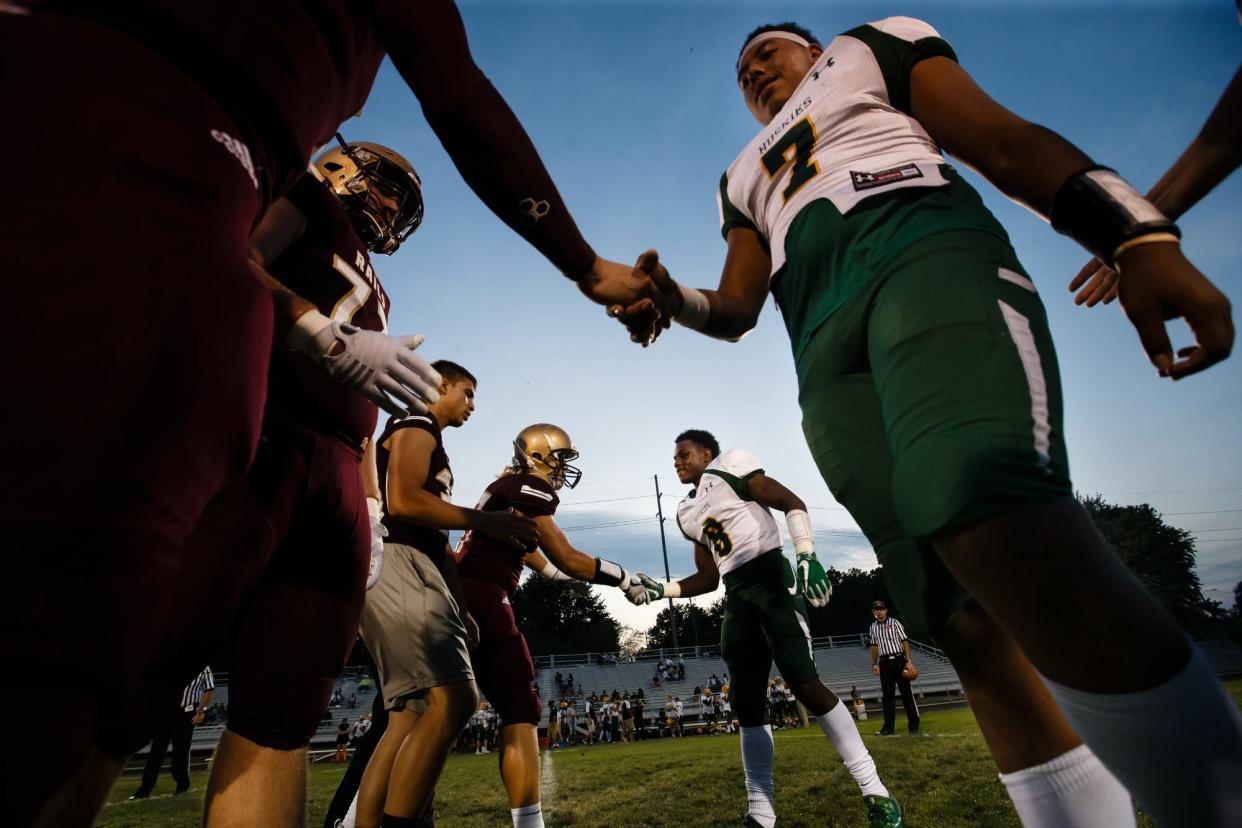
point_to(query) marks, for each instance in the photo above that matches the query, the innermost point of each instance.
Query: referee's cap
(875, 605)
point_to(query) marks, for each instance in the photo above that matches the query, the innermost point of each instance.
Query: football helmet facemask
(380, 190)
(546, 451)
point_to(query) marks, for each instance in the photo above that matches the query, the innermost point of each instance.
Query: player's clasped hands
(649, 316)
(635, 590)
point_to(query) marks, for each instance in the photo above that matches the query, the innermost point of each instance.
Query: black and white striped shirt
(888, 636)
(193, 693)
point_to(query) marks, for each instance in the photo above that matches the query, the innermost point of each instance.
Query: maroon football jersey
(328, 266)
(479, 556)
(290, 72)
(439, 482)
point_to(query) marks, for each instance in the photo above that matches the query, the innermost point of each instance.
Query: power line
(604, 500)
(1214, 512)
(1227, 529)
(1217, 540)
(603, 525)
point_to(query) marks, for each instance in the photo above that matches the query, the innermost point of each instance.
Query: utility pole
(672, 614)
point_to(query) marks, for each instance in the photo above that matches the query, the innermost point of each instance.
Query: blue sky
(634, 109)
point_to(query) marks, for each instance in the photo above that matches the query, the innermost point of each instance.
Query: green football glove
(813, 583)
(655, 589)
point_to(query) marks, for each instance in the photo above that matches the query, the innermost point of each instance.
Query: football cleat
(883, 812)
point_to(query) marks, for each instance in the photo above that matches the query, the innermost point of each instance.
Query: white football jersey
(721, 515)
(845, 134)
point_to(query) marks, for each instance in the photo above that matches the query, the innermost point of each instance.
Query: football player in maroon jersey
(280, 558)
(415, 623)
(192, 129)
(489, 573)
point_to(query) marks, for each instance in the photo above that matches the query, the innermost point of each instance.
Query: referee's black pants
(177, 727)
(891, 680)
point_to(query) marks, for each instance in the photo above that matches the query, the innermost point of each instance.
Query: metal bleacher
(844, 662)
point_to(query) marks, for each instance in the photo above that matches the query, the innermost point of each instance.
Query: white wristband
(550, 572)
(305, 328)
(799, 523)
(672, 589)
(374, 509)
(695, 309)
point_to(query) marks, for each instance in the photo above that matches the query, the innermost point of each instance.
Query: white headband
(766, 36)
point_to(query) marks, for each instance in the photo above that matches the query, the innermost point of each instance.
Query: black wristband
(1099, 210)
(607, 573)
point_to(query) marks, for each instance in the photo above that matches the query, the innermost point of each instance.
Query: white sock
(1073, 790)
(528, 816)
(351, 816)
(1176, 747)
(838, 725)
(757, 755)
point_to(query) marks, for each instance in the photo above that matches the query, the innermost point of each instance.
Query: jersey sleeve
(901, 631)
(730, 215)
(306, 194)
(420, 421)
(531, 495)
(899, 43)
(740, 463)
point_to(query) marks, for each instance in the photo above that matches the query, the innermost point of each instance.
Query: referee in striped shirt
(177, 726)
(890, 653)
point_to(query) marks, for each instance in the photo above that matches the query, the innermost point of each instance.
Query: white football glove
(378, 532)
(635, 591)
(382, 368)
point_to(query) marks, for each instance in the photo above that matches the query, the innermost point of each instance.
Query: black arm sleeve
(427, 42)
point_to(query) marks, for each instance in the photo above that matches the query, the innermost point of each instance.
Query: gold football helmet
(380, 190)
(546, 451)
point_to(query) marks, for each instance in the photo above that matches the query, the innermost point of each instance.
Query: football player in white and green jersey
(728, 519)
(931, 402)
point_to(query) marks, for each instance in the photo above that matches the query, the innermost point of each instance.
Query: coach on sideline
(890, 653)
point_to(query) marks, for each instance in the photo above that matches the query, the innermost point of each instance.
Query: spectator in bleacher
(681, 668)
(713, 683)
(353, 701)
(177, 726)
(890, 653)
(569, 684)
(337, 699)
(560, 683)
(655, 679)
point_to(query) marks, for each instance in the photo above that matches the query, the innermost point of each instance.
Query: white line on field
(547, 782)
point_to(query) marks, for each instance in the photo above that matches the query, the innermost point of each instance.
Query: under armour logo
(829, 63)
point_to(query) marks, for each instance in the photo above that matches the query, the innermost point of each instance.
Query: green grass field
(943, 777)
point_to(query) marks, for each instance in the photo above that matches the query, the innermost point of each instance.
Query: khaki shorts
(413, 628)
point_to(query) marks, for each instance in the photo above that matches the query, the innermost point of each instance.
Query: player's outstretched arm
(577, 565)
(1091, 204)
(1211, 157)
(705, 579)
(728, 312)
(409, 462)
(490, 148)
(812, 580)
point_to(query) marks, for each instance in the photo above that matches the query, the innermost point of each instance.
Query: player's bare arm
(489, 146)
(570, 562)
(1035, 166)
(811, 578)
(408, 464)
(1213, 155)
(281, 226)
(705, 579)
(728, 312)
